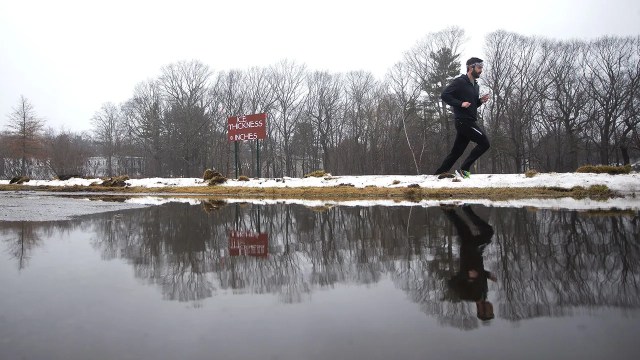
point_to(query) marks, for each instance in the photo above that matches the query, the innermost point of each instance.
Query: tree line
(555, 105)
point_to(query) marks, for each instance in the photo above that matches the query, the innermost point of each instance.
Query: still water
(243, 281)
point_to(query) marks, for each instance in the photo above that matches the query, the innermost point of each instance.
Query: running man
(462, 94)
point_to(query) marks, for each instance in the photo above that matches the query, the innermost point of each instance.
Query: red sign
(248, 243)
(247, 127)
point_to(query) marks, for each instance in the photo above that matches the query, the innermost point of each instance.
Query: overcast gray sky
(69, 57)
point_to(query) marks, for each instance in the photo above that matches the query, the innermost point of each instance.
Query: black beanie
(473, 60)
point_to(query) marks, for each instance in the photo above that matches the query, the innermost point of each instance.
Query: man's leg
(459, 144)
(485, 229)
(475, 134)
(462, 228)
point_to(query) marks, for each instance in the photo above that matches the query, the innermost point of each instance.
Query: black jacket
(460, 90)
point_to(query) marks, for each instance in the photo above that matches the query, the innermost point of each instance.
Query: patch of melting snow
(563, 203)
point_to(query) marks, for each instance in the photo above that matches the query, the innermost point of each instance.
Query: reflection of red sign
(247, 127)
(248, 243)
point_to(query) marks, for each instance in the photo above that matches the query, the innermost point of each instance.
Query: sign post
(257, 159)
(235, 148)
(247, 127)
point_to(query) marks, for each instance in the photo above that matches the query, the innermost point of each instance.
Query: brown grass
(317, 173)
(208, 175)
(18, 180)
(342, 192)
(594, 191)
(116, 181)
(210, 205)
(217, 180)
(605, 169)
(322, 208)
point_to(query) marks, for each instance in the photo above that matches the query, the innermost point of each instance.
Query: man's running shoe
(463, 173)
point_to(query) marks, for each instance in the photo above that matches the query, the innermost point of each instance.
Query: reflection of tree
(22, 238)
(569, 260)
(274, 275)
(167, 245)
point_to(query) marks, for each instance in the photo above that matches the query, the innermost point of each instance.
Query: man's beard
(475, 74)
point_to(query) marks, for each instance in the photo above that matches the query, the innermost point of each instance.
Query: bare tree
(564, 111)
(517, 94)
(25, 129)
(630, 119)
(287, 84)
(3, 153)
(360, 91)
(108, 132)
(323, 107)
(432, 62)
(405, 94)
(229, 101)
(186, 86)
(499, 47)
(631, 131)
(143, 115)
(68, 153)
(304, 146)
(260, 99)
(611, 77)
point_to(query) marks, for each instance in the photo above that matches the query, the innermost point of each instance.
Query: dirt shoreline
(54, 203)
(337, 192)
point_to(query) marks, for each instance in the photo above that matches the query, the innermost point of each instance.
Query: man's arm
(483, 99)
(448, 94)
(491, 276)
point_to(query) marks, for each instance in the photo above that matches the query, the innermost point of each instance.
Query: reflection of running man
(470, 283)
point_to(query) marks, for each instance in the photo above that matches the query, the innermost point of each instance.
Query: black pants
(471, 251)
(466, 131)
(467, 237)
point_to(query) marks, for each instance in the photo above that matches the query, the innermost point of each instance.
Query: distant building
(96, 166)
(35, 168)
(133, 166)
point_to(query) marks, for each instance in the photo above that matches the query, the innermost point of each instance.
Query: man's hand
(484, 98)
(466, 104)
